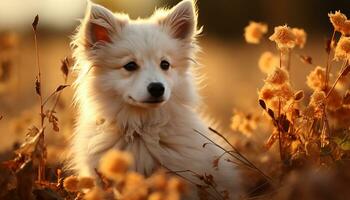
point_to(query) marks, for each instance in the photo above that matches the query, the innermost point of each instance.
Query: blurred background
(229, 64)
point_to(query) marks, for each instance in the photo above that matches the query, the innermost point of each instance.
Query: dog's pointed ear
(181, 20)
(100, 24)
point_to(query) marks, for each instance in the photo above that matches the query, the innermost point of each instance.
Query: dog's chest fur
(109, 124)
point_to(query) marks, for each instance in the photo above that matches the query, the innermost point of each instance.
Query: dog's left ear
(181, 21)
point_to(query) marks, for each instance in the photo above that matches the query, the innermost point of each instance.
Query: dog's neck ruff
(147, 122)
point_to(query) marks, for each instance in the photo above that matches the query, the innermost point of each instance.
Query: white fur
(157, 135)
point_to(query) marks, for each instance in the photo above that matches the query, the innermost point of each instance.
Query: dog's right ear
(100, 25)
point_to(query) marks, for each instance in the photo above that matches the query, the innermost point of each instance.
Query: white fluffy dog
(135, 92)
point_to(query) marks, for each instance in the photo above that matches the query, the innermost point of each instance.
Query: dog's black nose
(156, 89)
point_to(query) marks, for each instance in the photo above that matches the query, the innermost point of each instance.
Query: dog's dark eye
(164, 65)
(131, 66)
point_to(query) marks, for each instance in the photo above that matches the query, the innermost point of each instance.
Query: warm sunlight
(174, 99)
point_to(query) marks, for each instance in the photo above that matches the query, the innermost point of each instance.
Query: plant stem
(328, 59)
(244, 161)
(279, 131)
(41, 167)
(338, 78)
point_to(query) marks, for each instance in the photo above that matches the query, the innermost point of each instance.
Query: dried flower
(300, 37)
(173, 196)
(95, 194)
(156, 196)
(158, 180)
(317, 97)
(284, 37)
(71, 184)
(337, 19)
(266, 92)
(114, 164)
(285, 91)
(316, 79)
(340, 22)
(268, 62)
(278, 77)
(254, 32)
(333, 101)
(135, 187)
(242, 123)
(342, 51)
(176, 185)
(86, 183)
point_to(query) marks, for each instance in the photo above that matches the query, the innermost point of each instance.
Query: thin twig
(242, 156)
(245, 161)
(338, 78)
(328, 59)
(279, 130)
(188, 180)
(41, 168)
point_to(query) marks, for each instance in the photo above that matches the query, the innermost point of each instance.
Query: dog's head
(143, 61)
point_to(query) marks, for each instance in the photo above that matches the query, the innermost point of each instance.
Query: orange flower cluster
(268, 62)
(114, 166)
(287, 38)
(254, 32)
(317, 78)
(74, 183)
(304, 128)
(342, 51)
(277, 91)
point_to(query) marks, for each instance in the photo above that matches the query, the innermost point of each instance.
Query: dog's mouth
(148, 102)
(153, 101)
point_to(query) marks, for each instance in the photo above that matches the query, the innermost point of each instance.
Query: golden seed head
(300, 37)
(266, 92)
(278, 77)
(71, 184)
(254, 32)
(285, 92)
(317, 97)
(156, 196)
(176, 185)
(316, 102)
(339, 22)
(114, 164)
(316, 79)
(275, 103)
(95, 194)
(284, 37)
(86, 183)
(135, 186)
(174, 196)
(342, 51)
(268, 62)
(337, 18)
(158, 180)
